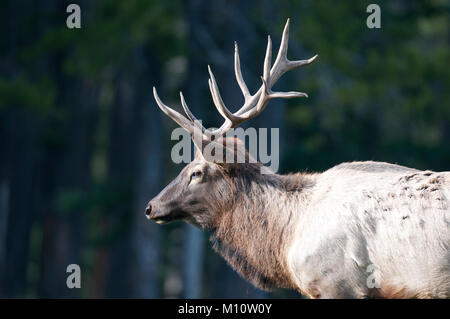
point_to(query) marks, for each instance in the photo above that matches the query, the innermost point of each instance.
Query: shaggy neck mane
(254, 235)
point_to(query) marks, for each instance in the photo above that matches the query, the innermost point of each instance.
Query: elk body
(357, 230)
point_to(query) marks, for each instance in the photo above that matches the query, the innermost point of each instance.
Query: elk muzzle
(158, 215)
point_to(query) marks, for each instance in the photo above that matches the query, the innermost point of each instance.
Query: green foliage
(95, 204)
(132, 24)
(38, 95)
(376, 94)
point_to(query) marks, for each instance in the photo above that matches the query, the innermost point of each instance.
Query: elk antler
(253, 104)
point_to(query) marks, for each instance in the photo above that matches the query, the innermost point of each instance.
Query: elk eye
(196, 174)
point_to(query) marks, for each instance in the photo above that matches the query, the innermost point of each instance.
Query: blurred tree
(83, 147)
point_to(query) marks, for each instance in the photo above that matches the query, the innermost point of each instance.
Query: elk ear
(209, 151)
(199, 149)
(223, 151)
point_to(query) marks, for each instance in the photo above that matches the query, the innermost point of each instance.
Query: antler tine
(254, 104)
(186, 108)
(217, 103)
(282, 51)
(189, 125)
(263, 99)
(265, 95)
(282, 63)
(287, 95)
(238, 72)
(191, 116)
(217, 99)
(174, 115)
(247, 110)
(268, 61)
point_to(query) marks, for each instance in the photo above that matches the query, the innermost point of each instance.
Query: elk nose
(148, 210)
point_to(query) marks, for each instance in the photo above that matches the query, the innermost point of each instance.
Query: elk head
(207, 187)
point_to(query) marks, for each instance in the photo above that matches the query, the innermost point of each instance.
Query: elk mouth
(157, 216)
(161, 219)
(164, 217)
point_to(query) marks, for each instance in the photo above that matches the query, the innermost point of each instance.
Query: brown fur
(394, 292)
(254, 218)
(253, 234)
(243, 208)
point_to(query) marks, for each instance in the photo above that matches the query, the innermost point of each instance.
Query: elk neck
(254, 235)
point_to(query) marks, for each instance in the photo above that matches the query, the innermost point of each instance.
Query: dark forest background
(83, 146)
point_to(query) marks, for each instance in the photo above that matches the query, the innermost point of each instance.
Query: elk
(358, 230)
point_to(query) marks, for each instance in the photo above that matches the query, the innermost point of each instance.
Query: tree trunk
(136, 159)
(69, 171)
